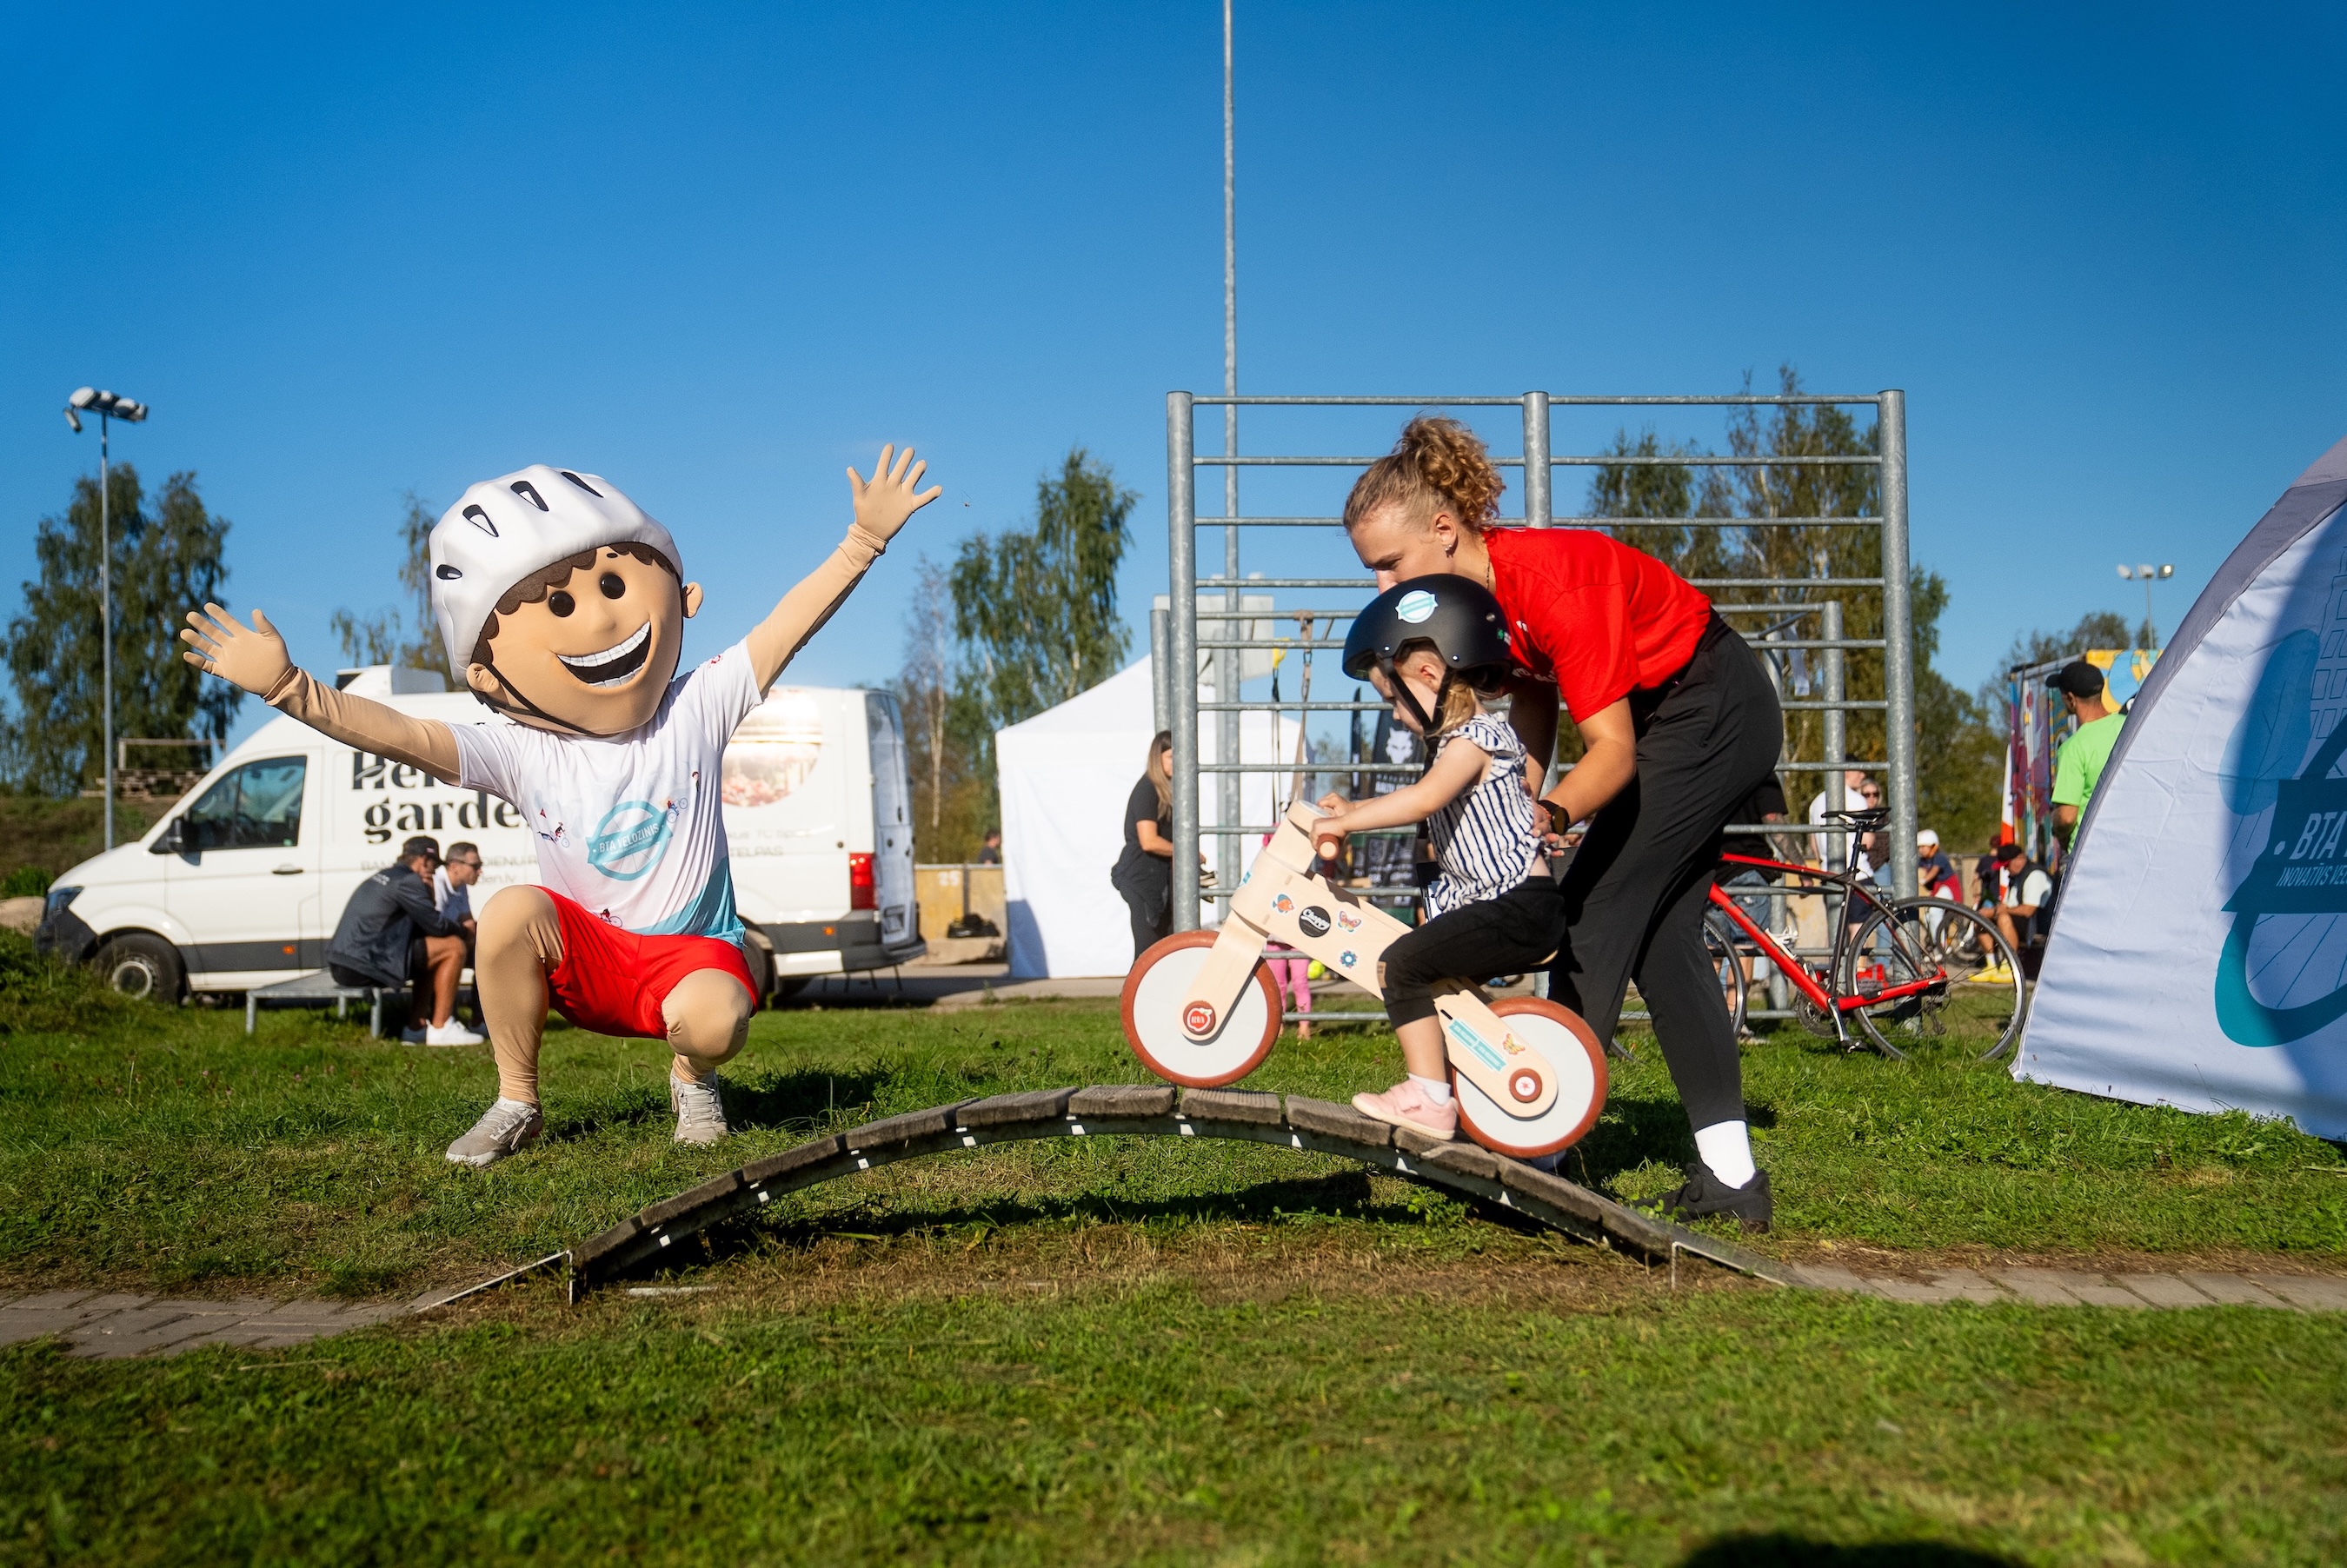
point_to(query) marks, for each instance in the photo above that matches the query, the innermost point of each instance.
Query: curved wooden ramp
(1149, 1111)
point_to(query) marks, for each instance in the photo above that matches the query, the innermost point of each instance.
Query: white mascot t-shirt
(632, 827)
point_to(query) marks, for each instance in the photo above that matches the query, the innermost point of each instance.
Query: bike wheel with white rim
(1571, 1046)
(1976, 979)
(1153, 992)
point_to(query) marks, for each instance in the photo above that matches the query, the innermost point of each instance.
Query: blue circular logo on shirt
(1415, 606)
(628, 842)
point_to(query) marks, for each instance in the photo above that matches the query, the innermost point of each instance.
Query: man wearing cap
(2078, 766)
(564, 605)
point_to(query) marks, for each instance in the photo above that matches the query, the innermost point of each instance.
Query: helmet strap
(526, 705)
(1409, 697)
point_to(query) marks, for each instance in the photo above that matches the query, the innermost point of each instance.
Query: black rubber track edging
(1111, 1110)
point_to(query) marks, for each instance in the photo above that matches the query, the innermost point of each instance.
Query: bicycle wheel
(1921, 940)
(1719, 945)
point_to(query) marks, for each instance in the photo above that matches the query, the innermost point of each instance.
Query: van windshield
(258, 806)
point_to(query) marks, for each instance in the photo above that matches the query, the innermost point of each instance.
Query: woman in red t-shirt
(1678, 723)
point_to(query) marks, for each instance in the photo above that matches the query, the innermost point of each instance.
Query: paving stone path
(2080, 1288)
(116, 1324)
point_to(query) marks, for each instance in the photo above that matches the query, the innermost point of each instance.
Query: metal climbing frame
(1782, 625)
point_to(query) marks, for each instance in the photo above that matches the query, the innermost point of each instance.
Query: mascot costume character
(565, 607)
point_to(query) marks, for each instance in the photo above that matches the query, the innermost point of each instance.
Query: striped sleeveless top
(1486, 840)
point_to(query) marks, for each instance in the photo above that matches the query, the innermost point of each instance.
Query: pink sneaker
(1406, 1105)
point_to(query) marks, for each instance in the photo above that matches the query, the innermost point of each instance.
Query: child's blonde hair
(1459, 703)
(1438, 465)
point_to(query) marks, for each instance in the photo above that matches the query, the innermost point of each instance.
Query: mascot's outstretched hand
(881, 506)
(254, 658)
(222, 645)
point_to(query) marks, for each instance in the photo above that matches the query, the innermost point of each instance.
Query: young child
(564, 605)
(1429, 645)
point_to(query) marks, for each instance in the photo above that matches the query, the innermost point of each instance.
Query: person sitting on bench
(391, 936)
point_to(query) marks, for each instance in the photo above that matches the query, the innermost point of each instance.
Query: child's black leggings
(1510, 935)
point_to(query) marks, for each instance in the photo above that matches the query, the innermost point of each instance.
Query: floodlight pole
(105, 405)
(1229, 672)
(105, 612)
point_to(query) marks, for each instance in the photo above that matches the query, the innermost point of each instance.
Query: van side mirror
(170, 841)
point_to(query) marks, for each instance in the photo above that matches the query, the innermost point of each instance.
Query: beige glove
(881, 506)
(256, 660)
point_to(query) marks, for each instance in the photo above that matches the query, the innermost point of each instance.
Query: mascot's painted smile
(614, 665)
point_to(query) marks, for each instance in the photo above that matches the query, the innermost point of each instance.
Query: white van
(242, 884)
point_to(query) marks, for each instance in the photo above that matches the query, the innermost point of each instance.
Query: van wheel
(144, 966)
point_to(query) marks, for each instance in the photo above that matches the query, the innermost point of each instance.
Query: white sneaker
(700, 1112)
(507, 1127)
(452, 1033)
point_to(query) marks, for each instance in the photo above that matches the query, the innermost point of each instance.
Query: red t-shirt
(1592, 615)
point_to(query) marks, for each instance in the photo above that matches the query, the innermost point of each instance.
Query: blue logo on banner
(628, 842)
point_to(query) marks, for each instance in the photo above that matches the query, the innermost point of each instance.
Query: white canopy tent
(2198, 956)
(1065, 775)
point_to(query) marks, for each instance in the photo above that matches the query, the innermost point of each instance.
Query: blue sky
(717, 254)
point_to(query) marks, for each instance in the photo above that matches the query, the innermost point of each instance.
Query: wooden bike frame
(1284, 898)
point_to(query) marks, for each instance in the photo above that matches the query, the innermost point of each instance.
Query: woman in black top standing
(1145, 872)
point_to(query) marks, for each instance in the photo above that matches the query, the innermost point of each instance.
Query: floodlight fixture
(2148, 575)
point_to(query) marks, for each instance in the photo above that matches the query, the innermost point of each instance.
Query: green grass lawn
(1131, 1349)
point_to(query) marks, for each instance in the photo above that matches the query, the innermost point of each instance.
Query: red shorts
(613, 981)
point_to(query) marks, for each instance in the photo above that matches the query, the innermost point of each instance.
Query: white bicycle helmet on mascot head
(503, 529)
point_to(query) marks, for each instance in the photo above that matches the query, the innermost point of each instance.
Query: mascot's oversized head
(560, 601)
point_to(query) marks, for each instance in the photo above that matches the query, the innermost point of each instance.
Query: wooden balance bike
(1200, 1008)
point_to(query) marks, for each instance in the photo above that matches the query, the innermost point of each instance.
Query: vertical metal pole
(1538, 511)
(1181, 532)
(1898, 643)
(106, 611)
(1160, 669)
(1837, 744)
(1229, 672)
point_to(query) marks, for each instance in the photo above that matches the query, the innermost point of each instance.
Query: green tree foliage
(407, 637)
(164, 561)
(1035, 610)
(1022, 621)
(1959, 750)
(2096, 629)
(946, 736)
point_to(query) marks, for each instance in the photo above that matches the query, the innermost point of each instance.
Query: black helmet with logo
(1457, 614)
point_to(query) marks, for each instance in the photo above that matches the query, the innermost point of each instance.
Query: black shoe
(1703, 1194)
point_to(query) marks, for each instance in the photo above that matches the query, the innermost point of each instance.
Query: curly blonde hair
(1438, 465)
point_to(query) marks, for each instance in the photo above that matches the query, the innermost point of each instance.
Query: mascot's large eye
(612, 584)
(560, 602)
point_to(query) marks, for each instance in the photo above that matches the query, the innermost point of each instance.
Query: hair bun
(1438, 464)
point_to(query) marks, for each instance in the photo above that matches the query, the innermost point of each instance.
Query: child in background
(1429, 645)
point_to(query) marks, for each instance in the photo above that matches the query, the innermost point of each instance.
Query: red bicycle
(1894, 967)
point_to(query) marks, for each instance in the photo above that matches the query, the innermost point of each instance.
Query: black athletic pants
(1151, 915)
(1505, 936)
(1635, 893)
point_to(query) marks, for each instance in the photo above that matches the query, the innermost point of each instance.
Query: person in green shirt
(2078, 766)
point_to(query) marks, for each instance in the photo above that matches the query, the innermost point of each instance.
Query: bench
(317, 989)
